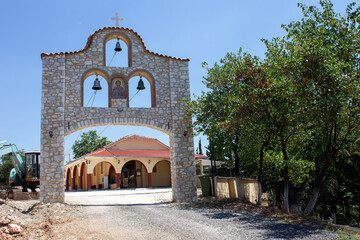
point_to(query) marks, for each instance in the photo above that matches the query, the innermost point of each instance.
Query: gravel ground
(109, 217)
(163, 221)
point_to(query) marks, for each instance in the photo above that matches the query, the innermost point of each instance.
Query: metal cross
(117, 19)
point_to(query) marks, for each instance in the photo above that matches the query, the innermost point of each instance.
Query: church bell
(117, 46)
(96, 84)
(140, 85)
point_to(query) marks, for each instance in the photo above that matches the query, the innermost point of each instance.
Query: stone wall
(63, 111)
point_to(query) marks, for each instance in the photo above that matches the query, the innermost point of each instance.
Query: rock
(4, 220)
(14, 228)
(4, 230)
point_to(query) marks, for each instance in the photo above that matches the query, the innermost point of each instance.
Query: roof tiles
(90, 39)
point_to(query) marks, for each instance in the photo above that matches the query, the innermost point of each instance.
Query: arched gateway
(63, 112)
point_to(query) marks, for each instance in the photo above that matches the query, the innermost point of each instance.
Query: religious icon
(118, 88)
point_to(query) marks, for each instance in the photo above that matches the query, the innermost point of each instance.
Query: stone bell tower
(62, 110)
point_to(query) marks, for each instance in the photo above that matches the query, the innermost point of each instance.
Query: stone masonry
(62, 110)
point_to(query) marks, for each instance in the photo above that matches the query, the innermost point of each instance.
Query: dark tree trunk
(237, 162)
(293, 199)
(316, 187)
(286, 176)
(347, 211)
(261, 160)
(237, 174)
(275, 198)
(313, 198)
(286, 189)
(333, 212)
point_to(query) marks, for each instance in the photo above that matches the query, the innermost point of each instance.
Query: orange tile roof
(136, 138)
(134, 153)
(90, 39)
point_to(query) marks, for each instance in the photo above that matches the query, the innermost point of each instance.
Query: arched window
(116, 52)
(95, 98)
(139, 98)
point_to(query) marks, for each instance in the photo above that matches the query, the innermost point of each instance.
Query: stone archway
(62, 111)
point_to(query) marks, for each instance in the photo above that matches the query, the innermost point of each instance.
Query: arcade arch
(83, 184)
(68, 179)
(102, 175)
(161, 174)
(134, 174)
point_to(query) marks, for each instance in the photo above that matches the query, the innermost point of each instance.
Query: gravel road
(107, 219)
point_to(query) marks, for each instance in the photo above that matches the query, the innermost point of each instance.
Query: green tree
(322, 62)
(228, 115)
(5, 167)
(88, 143)
(200, 148)
(300, 105)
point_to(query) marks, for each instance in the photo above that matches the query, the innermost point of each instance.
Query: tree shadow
(119, 204)
(272, 229)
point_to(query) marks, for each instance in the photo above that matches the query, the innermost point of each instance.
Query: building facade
(133, 161)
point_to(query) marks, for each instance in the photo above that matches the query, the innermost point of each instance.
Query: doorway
(128, 175)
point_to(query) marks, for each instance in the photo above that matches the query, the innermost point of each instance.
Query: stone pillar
(183, 172)
(149, 180)
(118, 180)
(88, 181)
(52, 129)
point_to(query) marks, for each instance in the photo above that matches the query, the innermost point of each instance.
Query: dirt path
(164, 221)
(141, 214)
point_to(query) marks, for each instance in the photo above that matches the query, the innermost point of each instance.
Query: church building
(133, 161)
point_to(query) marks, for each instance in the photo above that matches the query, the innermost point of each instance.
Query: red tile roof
(135, 153)
(90, 39)
(135, 137)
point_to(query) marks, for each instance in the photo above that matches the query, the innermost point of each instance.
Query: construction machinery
(25, 173)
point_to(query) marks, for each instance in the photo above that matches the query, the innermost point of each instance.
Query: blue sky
(199, 30)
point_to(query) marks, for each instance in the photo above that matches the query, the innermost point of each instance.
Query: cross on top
(117, 19)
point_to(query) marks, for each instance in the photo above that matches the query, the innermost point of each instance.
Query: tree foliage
(291, 119)
(89, 141)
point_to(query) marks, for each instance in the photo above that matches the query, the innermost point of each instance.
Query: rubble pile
(31, 219)
(10, 229)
